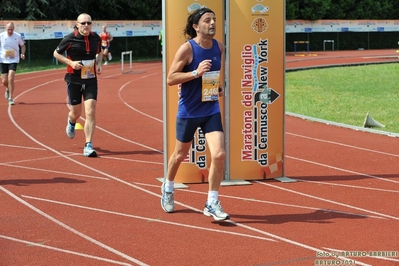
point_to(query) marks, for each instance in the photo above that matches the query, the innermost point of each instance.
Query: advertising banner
(295, 26)
(256, 42)
(194, 168)
(43, 30)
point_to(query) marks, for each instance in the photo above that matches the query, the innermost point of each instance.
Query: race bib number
(104, 43)
(88, 69)
(10, 54)
(210, 86)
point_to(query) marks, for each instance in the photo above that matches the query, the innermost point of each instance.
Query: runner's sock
(169, 185)
(212, 196)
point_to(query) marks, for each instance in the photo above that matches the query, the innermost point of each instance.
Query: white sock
(212, 196)
(169, 185)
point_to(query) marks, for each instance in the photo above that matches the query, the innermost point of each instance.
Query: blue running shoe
(216, 210)
(167, 200)
(70, 130)
(88, 150)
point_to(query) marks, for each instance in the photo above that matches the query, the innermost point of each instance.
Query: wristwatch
(195, 73)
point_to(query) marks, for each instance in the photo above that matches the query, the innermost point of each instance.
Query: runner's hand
(221, 92)
(204, 66)
(99, 68)
(76, 65)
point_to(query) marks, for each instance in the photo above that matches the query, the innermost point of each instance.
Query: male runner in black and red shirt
(83, 60)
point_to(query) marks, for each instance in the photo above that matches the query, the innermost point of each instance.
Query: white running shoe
(105, 63)
(10, 101)
(109, 56)
(167, 200)
(7, 94)
(216, 210)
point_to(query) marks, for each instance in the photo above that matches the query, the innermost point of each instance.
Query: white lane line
(128, 140)
(148, 218)
(272, 202)
(342, 169)
(92, 240)
(21, 78)
(21, 147)
(343, 145)
(52, 171)
(114, 158)
(34, 160)
(330, 201)
(350, 186)
(63, 250)
(31, 89)
(131, 107)
(302, 245)
(130, 160)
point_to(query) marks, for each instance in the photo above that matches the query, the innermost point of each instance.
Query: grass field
(346, 94)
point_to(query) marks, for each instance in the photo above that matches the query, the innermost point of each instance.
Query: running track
(60, 208)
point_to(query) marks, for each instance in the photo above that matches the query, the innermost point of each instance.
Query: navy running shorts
(186, 127)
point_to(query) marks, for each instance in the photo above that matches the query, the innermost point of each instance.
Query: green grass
(38, 65)
(346, 94)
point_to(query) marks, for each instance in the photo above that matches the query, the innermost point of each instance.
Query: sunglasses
(85, 23)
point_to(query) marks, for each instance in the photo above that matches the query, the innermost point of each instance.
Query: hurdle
(301, 42)
(130, 70)
(328, 41)
(123, 54)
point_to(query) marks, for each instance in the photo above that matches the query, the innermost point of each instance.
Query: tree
(70, 9)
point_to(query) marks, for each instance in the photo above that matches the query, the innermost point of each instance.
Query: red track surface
(60, 208)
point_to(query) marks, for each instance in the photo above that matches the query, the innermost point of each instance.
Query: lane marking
(342, 169)
(61, 224)
(148, 218)
(330, 201)
(33, 160)
(272, 202)
(115, 158)
(350, 186)
(53, 171)
(63, 250)
(133, 108)
(21, 147)
(343, 145)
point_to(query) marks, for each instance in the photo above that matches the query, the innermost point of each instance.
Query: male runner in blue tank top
(200, 58)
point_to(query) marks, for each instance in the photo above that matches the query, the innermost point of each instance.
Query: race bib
(210, 86)
(10, 54)
(104, 43)
(88, 69)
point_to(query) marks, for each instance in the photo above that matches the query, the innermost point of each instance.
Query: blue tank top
(190, 102)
